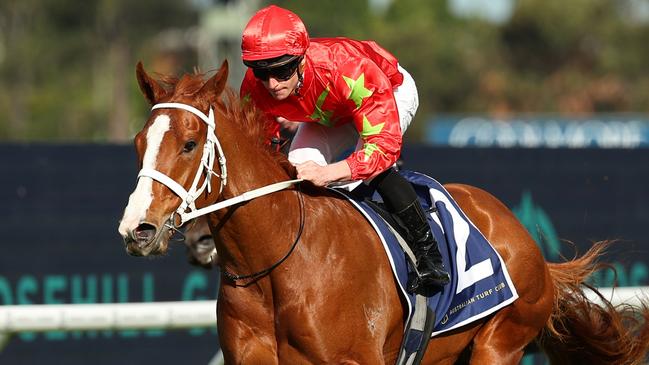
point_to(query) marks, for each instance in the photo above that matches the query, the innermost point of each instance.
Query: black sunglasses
(280, 73)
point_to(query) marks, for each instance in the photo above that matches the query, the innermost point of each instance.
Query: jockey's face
(281, 89)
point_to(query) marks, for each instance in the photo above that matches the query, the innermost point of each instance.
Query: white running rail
(631, 295)
(169, 315)
(118, 316)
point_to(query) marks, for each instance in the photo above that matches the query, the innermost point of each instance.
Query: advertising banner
(61, 206)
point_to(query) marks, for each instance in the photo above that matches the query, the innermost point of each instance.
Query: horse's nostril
(145, 232)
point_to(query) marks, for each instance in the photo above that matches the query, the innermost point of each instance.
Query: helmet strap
(300, 80)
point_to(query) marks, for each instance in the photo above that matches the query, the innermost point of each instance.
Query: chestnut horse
(319, 287)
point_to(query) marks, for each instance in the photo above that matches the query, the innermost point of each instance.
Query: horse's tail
(580, 331)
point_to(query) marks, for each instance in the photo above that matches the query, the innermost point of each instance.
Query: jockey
(344, 93)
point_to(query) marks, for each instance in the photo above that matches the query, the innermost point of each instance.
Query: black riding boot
(424, 246)
(401, 200)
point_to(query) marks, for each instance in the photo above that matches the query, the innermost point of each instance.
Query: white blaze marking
(141, 198)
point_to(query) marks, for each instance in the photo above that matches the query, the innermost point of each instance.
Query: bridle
(207, 162)
(205, 168)
(187, 209)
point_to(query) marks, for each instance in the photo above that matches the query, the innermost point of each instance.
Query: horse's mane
(252, 122)
(254, 125)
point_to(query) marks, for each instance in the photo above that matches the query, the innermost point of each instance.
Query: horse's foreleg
(241, 345)
(246, 341)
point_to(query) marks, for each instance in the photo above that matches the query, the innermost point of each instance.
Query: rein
(212, 145)
(266, 271)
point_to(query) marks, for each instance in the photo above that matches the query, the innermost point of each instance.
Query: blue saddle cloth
(480, 283)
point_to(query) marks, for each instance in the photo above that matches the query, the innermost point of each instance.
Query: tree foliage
(66, 70)
(66, 67)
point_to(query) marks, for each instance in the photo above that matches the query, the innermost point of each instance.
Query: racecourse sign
(61, 206)
(537, 132)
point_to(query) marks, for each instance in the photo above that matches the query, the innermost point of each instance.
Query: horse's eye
(189, 146)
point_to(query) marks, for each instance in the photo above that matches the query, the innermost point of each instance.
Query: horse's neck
(254, 233)
(249, 165)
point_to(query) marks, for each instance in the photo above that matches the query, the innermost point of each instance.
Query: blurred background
(67, 68)
(544, 103)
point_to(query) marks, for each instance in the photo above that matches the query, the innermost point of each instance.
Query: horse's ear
(216, 84)
(150, 88)
(221, 77)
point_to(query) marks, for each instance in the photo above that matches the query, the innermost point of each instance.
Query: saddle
(480, 283)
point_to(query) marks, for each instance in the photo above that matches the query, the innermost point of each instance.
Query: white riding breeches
(324, 145)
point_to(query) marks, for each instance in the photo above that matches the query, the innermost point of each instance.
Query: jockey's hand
(323, 175)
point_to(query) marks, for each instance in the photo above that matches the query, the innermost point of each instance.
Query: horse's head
(176, 151)
(200, 245)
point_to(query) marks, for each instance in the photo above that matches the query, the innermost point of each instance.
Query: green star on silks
(357, 92)
(369, 149)
(370, 130)
(323, 116)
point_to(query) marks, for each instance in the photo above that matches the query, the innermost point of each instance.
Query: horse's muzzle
(144, 240)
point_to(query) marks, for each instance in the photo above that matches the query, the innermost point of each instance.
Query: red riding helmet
(273, 37)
